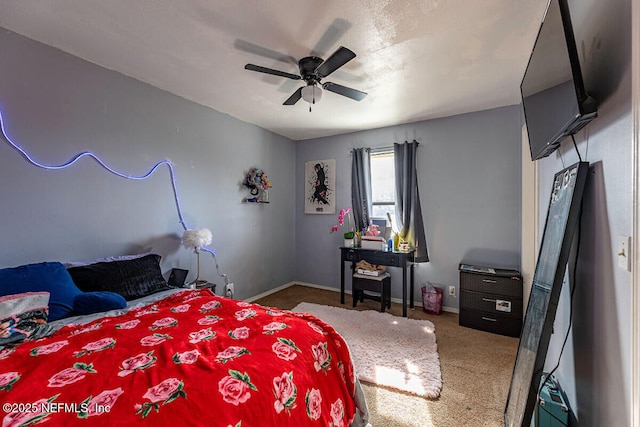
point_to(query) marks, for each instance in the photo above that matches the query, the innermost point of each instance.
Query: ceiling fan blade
(335, 61)
(263, 51)
(294, 98)
(332, 34)
(271, 71)
(344, 91)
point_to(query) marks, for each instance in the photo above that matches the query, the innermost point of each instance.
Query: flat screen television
(554, 99)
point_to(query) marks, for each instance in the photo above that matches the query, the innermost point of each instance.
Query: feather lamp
(195, 239)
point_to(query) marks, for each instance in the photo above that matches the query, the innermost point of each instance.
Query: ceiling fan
(312, 70)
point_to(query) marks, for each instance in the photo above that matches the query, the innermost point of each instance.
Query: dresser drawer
(349, 255)
(379, 257)
(491, 322)
(491, 304)
(374, 257)
(488, 284)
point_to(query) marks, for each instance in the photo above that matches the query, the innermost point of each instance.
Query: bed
(172, 356)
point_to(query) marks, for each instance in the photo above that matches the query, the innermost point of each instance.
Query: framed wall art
(319, 186)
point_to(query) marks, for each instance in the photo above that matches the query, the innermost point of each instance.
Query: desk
(392, 259)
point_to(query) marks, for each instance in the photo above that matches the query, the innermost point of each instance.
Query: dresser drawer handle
(489, 319)
(488, 300)
(489, 281)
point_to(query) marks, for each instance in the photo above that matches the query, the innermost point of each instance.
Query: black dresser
(491, 299)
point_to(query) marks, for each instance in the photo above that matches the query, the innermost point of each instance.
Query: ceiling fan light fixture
(311, 93)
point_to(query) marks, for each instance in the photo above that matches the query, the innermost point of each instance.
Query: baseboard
(328, 288)
(269, 292)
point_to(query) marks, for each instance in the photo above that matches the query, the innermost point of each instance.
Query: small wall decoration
(319, 191)
(258, 184)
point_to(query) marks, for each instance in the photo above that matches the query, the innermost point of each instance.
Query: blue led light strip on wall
(115, 172)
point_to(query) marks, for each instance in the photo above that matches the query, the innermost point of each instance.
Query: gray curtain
(361, 188)
(408, 209)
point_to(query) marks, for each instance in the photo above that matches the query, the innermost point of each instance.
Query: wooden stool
(379, 284)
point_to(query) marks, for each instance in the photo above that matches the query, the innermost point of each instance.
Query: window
(383, 195)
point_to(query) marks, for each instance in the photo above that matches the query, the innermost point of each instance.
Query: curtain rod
(383, 149)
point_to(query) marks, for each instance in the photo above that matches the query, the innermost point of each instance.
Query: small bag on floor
(432, 299)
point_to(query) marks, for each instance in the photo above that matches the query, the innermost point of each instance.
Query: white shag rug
(387, 350)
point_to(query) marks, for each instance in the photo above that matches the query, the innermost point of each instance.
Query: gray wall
(469, 180)
(595, 368)
(55, 105)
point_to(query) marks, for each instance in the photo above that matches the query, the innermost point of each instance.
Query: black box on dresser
(491, 299)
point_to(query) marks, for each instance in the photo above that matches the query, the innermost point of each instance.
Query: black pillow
(132, 278)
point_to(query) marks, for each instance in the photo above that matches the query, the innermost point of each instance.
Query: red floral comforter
(190, 359)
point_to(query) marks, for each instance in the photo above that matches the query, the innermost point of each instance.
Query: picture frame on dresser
(561, 225)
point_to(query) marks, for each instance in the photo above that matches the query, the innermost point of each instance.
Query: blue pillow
(50, 277)
(95, 302)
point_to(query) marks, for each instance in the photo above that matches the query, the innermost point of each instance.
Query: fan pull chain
(313, 100)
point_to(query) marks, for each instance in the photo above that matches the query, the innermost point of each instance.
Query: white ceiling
(417, 60)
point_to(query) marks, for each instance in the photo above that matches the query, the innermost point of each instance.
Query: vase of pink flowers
(349, 235)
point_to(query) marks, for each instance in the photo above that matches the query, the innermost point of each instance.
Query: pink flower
(284, 350)
(128, 325)
(181, 308)
(67, 376)
(343, 374)
(164, 390)
(321, 356)
(343, 212)
(274, 327)
(337, 413)
(25, 418)
(239, 333)
(100, 345)
(187, 358)
(137, 363)
(150, 310)
(90, 328)
(209, 320)
(164, 323)
(6, 352)
(208, 306)
(341, 215)
(230, 353)
(201, 335)
(155, 339)
(104, 400)
(7, 379)
(245, 313)
(191, 296)
(234, 390)
(49, 348)
(285, 391)
(316, 327)
(314, 401)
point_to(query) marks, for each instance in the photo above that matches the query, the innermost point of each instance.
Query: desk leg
(404, 292)
(341, 282)
(411, 266)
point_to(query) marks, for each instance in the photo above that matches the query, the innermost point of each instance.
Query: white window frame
(373, 153)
